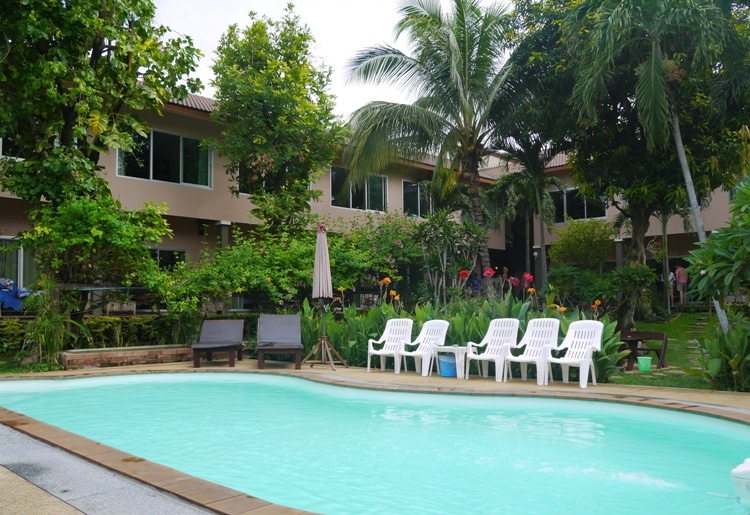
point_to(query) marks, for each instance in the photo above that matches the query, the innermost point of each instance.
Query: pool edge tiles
(212, 496)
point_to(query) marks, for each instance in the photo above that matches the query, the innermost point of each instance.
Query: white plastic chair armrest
(372, 341)
(473, 344)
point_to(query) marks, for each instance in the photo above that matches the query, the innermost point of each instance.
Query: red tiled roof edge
(197, 102)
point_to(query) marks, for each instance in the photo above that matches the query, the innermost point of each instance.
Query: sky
(340, 28)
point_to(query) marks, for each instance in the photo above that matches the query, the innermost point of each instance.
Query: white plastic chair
(501, 334)
(540, 335)
(397, 332)
(432, 335)
(583, 338)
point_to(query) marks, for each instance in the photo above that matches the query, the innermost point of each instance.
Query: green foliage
(721, 265)
(12, 333)
(94, 241)
(585, 243)
(105, 332)
(373, 246)
(726, 356)
(576, 288)
(448, 247)
(275, 266)
(606, 361)
(279, 128)
(52, 326)
(182, 298)
(72, 77)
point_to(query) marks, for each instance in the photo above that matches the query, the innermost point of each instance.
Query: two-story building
(174, 167)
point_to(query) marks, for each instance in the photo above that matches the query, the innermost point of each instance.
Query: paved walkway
(44, 469)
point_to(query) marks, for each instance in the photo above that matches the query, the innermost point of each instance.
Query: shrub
(726, 356)
(12, 333)
(586, 243)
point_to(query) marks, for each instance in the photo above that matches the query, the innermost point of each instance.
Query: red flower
(463, 274)
(488, 272)
(527, 278)
(513, 280)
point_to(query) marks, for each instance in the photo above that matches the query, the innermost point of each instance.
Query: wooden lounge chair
(218, 336)
(279, 334)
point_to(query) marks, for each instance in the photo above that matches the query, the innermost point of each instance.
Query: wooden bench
(218, 336)
(635, 339)
(279, 334)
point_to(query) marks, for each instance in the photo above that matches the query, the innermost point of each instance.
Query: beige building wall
(210, 204)
(715, 215)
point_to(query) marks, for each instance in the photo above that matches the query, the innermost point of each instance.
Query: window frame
(182, 148)
(423, 199)
(565, 215)
(357, 198)
(25, 273)
(156, 253)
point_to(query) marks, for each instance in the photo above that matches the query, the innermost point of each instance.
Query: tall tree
(455, 72)
(678, 46)
(529, 187)
(279, 128)
(73, 76)
(532, 118)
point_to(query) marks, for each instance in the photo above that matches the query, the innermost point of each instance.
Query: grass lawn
(683, 363)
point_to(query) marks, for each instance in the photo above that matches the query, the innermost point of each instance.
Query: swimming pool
(335, 450)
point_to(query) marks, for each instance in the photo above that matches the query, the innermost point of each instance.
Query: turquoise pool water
(336, 450)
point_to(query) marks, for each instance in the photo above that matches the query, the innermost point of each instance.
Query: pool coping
(730, 406)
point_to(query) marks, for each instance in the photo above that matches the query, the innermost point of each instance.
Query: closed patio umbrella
(322, 286)
(323, 289)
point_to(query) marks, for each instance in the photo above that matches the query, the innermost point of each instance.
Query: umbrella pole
(323, 348)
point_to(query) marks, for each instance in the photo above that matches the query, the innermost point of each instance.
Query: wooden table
(634, 340)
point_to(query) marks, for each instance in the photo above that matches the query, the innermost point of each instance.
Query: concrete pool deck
(140, 481)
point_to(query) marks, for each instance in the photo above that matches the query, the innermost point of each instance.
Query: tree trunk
(541, 284)
(527, 228)
(695, 208)
(665, 264)
(640, 221)
(471, 168)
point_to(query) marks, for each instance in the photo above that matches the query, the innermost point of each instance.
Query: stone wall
(119, 356)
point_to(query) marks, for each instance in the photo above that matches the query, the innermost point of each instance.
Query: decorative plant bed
(119, 356)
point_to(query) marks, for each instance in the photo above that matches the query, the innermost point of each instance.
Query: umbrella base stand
(322, 354)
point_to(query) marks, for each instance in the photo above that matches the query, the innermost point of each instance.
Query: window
(168, 259)
(9, 148)
(167, 157)
(249, 181)
(244, 176)
(371, 197)
(568, 204)
(16, 265)
(416, 199)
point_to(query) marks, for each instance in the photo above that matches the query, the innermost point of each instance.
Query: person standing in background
(670, 285)
(681, 276)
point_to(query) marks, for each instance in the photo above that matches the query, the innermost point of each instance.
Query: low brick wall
(118, 356)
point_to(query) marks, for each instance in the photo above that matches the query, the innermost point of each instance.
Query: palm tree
(528, 186)
(455, 72)
(669, 40)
